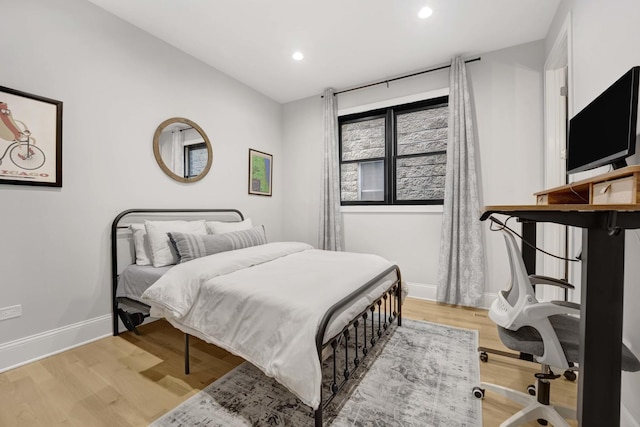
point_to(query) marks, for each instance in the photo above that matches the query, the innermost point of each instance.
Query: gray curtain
(461, 267)
(330, 233)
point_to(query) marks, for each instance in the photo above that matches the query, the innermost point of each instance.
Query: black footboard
(369, 325)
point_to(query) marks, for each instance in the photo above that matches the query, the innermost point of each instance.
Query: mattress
(265, 304)
(135, 279)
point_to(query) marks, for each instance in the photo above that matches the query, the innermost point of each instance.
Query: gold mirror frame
(163, 165)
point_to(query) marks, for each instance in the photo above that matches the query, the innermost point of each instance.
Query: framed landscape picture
(30, 139)
(260, 172)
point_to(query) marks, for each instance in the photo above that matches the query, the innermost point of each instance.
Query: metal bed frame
(388, 305)
(393, 295)
(160, 213)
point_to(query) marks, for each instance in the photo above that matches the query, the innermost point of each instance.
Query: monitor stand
(619, 164)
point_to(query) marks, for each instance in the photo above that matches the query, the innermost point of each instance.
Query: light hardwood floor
(131, 380)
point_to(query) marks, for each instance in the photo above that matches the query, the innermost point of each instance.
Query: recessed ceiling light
(298, 56)
(425, 12)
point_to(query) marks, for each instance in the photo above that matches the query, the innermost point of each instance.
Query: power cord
(577, 194)
(502, 226)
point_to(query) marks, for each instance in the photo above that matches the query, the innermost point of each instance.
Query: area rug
(422, 376)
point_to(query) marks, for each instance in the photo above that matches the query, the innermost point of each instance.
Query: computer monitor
(604, 132)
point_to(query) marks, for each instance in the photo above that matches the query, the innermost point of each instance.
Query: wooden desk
(602, 293)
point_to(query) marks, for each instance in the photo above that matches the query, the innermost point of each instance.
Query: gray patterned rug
(422, 376)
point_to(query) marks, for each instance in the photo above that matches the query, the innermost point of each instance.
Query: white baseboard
(26, 350)
(421, 291)
(429, 292)
(489, 298)
(626, 419)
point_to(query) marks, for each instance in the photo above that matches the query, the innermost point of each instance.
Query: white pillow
(162, 251)
(219, 227)
(141, 244)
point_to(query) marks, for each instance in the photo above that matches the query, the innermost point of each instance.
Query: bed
(283, 306)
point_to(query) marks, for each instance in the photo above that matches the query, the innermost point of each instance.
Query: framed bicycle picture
(30, 139)
(260, 172)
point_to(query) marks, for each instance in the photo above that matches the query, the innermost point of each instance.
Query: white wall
(507, 92)
(606, 43)
(117, 84)
(302, 159)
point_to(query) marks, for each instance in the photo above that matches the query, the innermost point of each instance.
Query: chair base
(532, 409)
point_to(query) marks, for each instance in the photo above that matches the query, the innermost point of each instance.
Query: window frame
(391, 148)
(188, 148)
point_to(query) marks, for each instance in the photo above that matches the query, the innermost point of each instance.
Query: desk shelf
(619, 187)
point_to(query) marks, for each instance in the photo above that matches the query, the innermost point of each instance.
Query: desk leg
(528, 252)
(601, 328)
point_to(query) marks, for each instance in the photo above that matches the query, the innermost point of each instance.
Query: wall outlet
(9, 312)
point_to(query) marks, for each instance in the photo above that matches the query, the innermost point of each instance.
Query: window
(394, 156)
(195, 159)
(371, 180)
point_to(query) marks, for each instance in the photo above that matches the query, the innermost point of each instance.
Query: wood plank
(617, 173)
(593, 190)
(562, 208)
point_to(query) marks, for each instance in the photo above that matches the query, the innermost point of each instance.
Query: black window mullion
(185, 157)
(372, 159)
(393, 143)
(389, 193)
(430, 153)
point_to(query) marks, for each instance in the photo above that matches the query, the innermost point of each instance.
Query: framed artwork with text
(30, 139)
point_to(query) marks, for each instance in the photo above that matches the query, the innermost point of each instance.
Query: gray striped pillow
(192, 246)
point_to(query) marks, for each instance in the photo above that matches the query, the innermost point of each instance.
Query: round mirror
(182, 149)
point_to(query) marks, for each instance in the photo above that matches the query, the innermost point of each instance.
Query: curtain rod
(401, 77)
(181, 129)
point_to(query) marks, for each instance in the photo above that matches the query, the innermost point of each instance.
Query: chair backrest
(506, 310)
(510, 309)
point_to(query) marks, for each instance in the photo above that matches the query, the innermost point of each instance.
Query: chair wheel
(531, 389)
(570, 375)
(478, 393)
(484, 356)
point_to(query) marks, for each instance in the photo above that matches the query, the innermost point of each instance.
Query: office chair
(548, 331)
(535, 280)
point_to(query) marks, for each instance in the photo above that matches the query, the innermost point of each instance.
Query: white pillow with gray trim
(219, 227)
(192, 246)
(162, 251)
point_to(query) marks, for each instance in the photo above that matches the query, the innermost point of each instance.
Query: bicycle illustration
(22, 151)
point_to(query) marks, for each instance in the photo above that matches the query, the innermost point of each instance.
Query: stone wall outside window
(420, 135)
(421, 132)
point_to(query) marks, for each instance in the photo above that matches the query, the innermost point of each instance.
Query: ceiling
(345, 43)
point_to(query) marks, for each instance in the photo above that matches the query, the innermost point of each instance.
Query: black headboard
(122, 250)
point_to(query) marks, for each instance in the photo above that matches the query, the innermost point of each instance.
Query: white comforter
(265, 304)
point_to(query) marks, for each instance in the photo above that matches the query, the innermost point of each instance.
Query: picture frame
(30, 139)
(260, 173)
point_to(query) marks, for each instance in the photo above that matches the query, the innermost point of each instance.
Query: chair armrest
(569, 304)
(546, 309)
(537, 279)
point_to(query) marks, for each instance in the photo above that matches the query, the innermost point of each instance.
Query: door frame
(557, 73)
